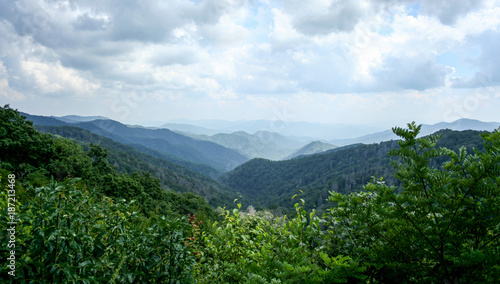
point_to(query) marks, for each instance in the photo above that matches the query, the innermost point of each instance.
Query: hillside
(312, 148)
(37, 159)
(129, 160)
(271, 184)
(261, 144)
(78, 118)
(164, 141)
(312, 130)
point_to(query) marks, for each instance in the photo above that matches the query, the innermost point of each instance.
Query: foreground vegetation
(80, 221)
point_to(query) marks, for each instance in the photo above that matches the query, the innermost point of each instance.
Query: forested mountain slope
(261, 144)
(312, 148)
(168, 142)
(128, 160)
(164, 141)
(272, 184)
(38, 159)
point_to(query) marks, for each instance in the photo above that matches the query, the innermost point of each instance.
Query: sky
(365, 62)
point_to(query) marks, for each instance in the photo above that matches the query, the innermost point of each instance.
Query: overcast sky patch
(140, 57)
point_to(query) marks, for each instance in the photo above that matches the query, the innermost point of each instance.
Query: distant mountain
(164, 141)
(44, 120)
(314, 131)
(271, 184)
(189, 129)
(459, 125)
(377, 137)
(312, 148)
(169, 142)
(262, 144)
(77, 118)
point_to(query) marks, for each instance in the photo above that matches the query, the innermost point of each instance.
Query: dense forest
(127, 159)
(269, 184)
(90, 211)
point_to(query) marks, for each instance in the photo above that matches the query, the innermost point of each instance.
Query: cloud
(409, 73)
(55, 79)
(217, 51)
(320, 17)
(6, 92)
(89, 22)
(448, 12)
(175, 54)
(488, 62)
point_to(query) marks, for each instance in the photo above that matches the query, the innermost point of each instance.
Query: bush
(66, 235)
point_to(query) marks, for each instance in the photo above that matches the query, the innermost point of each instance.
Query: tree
(23, 148)
(443, 225)
(69, 159)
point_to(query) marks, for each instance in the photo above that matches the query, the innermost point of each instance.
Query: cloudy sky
(333, 61)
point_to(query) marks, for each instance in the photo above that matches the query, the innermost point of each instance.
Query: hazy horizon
(361, 62)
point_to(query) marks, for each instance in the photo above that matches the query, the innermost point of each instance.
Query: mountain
(168, 142)
(377, 137)
(44, 120)
(311, 130)
(462, 124)
(129, 160)
(271, 184)
(77, 118)
(312, 148)
(163, 141)
(458, 125)
(262, 144)
(189, 129)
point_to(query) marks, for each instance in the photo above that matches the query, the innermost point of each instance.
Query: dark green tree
(23, 149)
(68, 159)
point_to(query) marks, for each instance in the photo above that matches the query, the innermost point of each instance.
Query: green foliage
(443, 226)
(66, 235)
(23, 149)
(68, 159)
(246, 248)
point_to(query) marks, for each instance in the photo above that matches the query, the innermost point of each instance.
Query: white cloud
(319, 17)
(6, 92)
(53, 78)
(326, 56)
(449, 11)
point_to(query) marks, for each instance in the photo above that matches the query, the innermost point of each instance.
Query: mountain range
(272, 184)
(299, 130)
(212, 147)
(310, 168)
(458, 125)
(169, 144)
(261, 144)
(172, 176)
